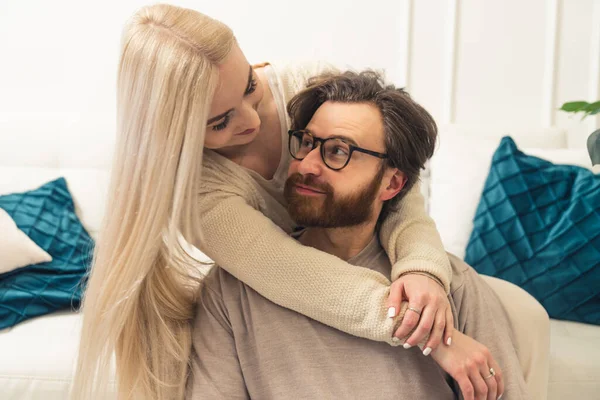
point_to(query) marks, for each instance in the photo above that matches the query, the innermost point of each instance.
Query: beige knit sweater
(245, 229)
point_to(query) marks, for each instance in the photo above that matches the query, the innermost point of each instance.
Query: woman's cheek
(217, 139)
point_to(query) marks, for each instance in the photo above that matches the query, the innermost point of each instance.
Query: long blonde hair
(140, 294)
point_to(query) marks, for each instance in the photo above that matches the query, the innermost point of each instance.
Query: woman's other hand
(472, 366)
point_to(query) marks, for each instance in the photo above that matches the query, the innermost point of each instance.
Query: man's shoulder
(219, 283)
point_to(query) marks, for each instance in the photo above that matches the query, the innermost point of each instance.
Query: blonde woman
(185, 86)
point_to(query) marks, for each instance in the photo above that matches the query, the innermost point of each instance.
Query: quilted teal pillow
(47, 216)
(538, 225)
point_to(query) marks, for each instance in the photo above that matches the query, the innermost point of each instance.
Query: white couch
(37, 356)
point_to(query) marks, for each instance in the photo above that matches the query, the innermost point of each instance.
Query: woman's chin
(246, 138)
(236, 141)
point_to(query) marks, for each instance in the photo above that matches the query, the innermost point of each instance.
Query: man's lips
(307, 190)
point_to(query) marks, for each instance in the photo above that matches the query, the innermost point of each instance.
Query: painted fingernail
(407, 346)
(449, 341)
(391, 312)
(395, 339)
(427, 351)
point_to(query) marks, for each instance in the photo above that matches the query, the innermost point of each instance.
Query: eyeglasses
(335, 152)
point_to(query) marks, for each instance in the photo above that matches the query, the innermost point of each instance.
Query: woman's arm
(421, 272)
(248, 245)
(412, 242)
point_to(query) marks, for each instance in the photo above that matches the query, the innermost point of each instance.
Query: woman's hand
(472, 367)
(428, 307)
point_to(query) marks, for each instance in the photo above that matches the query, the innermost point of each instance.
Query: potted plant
(593, 142)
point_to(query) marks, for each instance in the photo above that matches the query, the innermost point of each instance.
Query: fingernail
(395, 339)
(391, 312)
(427, 351)
(449, 341)
(407, 346)
(499, 397)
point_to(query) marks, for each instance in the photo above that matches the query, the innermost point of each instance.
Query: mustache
(309, 180)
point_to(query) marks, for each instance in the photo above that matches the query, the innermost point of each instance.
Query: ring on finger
(492, 374)
(414, 310)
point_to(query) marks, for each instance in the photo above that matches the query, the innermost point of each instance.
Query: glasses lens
(301, 144)
(336, 153)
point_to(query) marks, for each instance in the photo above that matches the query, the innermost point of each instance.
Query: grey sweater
(245, 346)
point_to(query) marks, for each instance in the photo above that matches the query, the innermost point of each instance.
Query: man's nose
(312, 163)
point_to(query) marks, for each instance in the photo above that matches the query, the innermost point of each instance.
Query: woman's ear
(393, 182)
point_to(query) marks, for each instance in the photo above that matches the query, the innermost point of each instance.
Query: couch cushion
(16, 248)
(88, 187)
(38, 357)
(37, 147)
(47, 216)
(459, 168)
(537, 226)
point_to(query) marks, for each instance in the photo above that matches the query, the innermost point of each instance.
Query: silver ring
(492, 374)
(414, 310)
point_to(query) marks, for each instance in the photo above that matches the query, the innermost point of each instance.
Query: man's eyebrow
(223, 115)
(345, 139)
(341, 137)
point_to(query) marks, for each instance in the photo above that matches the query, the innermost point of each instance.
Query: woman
(180, 90)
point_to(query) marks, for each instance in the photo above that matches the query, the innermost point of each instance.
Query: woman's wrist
(427, 274)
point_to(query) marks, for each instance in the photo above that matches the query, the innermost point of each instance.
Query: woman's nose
(250, 118)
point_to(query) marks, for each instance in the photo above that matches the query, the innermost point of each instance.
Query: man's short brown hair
(410, 131)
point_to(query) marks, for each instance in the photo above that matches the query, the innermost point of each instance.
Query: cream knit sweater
(245, 229)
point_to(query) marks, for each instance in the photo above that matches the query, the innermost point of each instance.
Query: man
(358, 147)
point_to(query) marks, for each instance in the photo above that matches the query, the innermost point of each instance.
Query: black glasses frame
(298, 133)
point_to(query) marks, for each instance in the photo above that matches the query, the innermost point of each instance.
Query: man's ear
(393, 182)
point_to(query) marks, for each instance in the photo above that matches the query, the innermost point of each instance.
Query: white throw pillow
(16, 248)
(459, 170)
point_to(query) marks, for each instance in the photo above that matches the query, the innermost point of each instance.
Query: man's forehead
(360, 122)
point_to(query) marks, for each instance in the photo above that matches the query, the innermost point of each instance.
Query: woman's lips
(308, 191)
(246, 132)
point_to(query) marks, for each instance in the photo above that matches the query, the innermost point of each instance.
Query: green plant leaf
(592, 108)
(575, 106)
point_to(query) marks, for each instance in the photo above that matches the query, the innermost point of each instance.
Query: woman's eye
(222, 125)
(252, 88)
(306, 143)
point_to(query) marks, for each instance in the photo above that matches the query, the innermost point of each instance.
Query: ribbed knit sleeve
(412, 241)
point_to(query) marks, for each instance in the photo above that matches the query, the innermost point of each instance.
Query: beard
(329, 210)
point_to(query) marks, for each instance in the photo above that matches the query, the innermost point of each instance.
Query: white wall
(510, 62)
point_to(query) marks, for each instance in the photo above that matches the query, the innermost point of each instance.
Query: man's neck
(344, 243)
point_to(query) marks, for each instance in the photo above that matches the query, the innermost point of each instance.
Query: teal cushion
(47, 216)
(538, 225)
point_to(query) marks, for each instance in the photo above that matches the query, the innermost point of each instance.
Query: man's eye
(222, 125)
(306, 143)
(338, 151)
